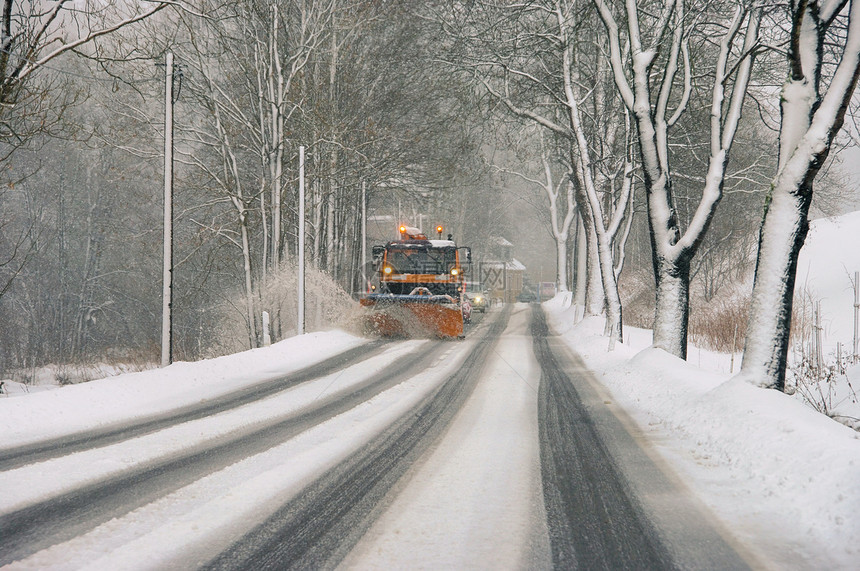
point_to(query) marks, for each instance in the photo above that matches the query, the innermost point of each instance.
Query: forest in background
(82, 202)
(432, 108)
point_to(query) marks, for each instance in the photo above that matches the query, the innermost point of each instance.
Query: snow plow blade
(413, 316)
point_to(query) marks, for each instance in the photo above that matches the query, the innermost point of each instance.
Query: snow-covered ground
(31, 417)
(825, 268)
(782, 477)
(186, 527)
(476, 502)
(825, 273)
(449, 489)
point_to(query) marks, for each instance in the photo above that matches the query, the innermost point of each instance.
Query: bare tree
(34, 94)
(350, 82)
(558, 192)
(35, 34)
(16, 249)
(529, 58)
(663, 29)
(813, 107)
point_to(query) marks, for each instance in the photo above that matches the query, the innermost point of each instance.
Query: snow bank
(102, 402)
(783, 477)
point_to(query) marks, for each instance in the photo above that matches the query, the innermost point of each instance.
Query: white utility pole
(819, 352)
(364, 237)
(856, 355)
(167, 293)
(301, 289)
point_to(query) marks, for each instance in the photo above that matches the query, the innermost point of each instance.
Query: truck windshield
(421, 261)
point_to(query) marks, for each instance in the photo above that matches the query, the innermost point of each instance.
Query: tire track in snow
(475, 501)
(592, 522)
(320, 527)
(609, 503)
(11, 458)
(71, 513)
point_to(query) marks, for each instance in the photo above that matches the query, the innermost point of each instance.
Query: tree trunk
(276, 95)
(594, 299)
(671, 314)
(580, 279)
(809, 124)
(672, 250)
(586, 191)
(783, 232)
(561, 262)
(330, 265)
(317, 203)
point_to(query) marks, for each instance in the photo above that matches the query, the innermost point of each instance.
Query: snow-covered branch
(525, 113)
(29, 66)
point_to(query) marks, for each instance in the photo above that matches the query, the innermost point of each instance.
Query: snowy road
(494, 452)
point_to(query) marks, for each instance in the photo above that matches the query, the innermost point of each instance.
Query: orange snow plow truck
(419, 287)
